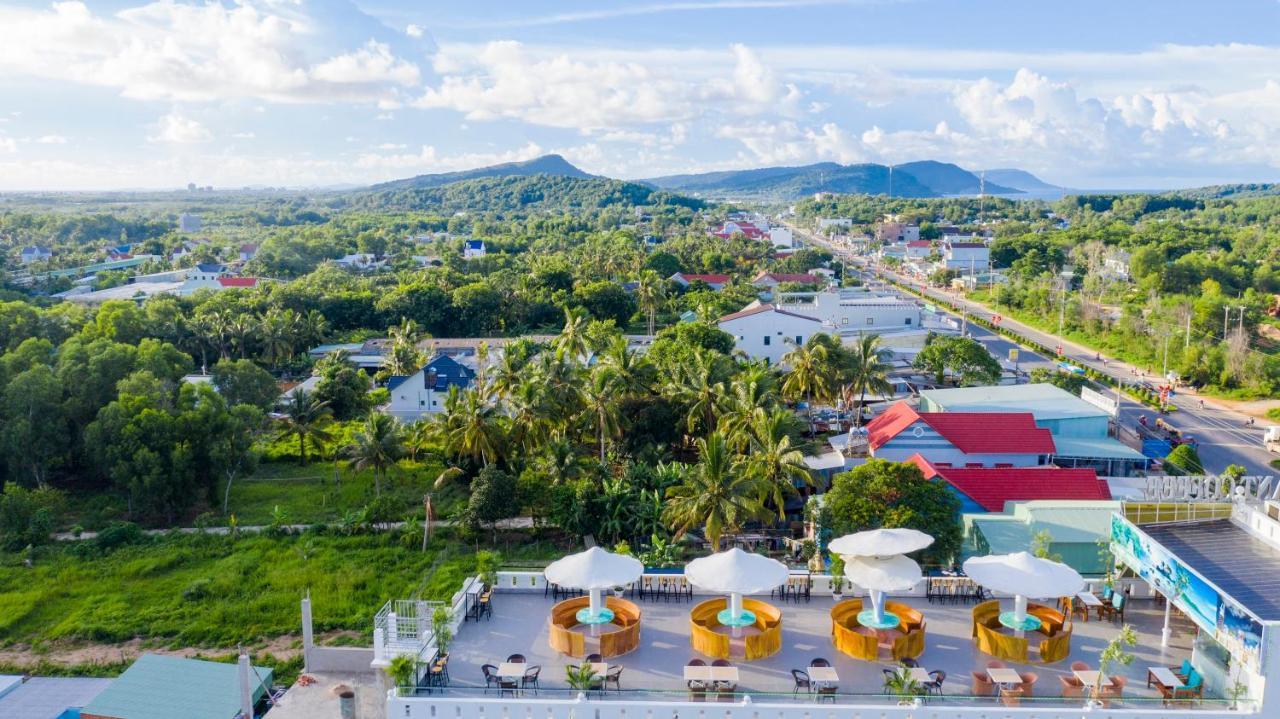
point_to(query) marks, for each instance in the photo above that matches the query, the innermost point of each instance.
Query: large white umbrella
(1024, 576)
(880, 542)
(879, 575)
(594, 570)
(735, 572)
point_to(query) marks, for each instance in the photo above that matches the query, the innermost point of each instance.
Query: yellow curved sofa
(564, 616)
(845, 635)
(705, 640)
(1054, 626)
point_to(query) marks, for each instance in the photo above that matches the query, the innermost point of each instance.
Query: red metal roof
(970, 432)
(238, 281)
(991, 487)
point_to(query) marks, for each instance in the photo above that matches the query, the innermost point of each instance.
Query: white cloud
(428, 159)
(266, 49)
(243, 135)
(506, 79)
(8, 145)
(175, 129)
(414, 31)
(391, 146)
(51, 140)
(648, 9)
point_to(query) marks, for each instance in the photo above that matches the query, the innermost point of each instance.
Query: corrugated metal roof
(49, 697)
(970, 432)
(993, 487)
(1095, 448)
(1042, 399)
(164, 687)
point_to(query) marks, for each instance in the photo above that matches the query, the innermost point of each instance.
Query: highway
(1221, 433)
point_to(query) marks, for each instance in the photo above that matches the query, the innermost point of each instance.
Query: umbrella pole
(877, 605)
(594, 601)
(735, 611)
(1019, 608)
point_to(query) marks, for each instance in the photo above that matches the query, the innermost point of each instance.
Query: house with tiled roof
(769, 280)
(988, 489)
(919, 249)
(763, 331)
(34, 253)
(425, 391)
(959, 439)
(715, 282)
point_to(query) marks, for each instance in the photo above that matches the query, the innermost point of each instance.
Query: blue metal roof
(49, 697)
(164, 687)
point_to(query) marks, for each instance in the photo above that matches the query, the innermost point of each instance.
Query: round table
(889, 620)
(585, 616)
(726, 618)
(1010, 620)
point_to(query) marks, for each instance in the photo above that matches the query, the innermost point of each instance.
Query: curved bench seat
(564, 617)
(705, 640)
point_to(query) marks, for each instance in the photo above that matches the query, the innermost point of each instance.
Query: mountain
(945, 178)
(520, 196)
(1020, 180)
(546, 165)
(795, 182)
(1242, 190)
(914, 179)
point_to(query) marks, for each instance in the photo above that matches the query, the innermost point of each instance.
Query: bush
(197, 590)
(118, 534)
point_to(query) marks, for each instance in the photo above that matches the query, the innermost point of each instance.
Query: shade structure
(735, 572)
(1024, 576)
(594, 570)
(880, 542)
(879, 575)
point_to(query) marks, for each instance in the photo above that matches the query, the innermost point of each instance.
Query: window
(908, 320)
(799, 339)
(871, 321)
(766, 340)
(844, 320)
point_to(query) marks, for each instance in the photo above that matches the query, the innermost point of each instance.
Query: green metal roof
(1068, 521)
(1095, 448)
(1042, 399)
(164, 687)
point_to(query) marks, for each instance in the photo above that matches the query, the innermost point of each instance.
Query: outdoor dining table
(512, 670)
(1087, 677)
(920, 674)
(711, 674)
(1164, 677)
(1090, 602)
(599, 668)
(824, 675)
(1004, 675)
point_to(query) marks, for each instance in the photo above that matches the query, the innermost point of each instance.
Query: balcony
(652, 682)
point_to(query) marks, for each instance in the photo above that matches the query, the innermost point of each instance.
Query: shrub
(197, 590)
(118, 534)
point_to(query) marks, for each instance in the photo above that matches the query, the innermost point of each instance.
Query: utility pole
(1226, 317)
(1241, 325)
(890, 182)
(1062, 307)
(1187, 341)
(1165, 370)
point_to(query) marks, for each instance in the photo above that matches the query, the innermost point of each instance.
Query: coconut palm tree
(631, 371)
(809, 374)
(529, 410)
(240, 330)
(697, 385)
(278, 331)
(560, 461)
(513, 368)
(306, 417)
(651, 293)
(868, 371)
(752, 388)
(772, 460)
(377, 446)
(715, 494)
(474, 427)
(600, 402)
(571, 344)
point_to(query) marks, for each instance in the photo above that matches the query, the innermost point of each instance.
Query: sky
(129, 94)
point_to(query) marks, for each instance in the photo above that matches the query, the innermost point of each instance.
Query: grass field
(216, 591)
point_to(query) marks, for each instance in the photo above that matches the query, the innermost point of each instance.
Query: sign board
(1207, 488)
(1013, 354)
(1104, 402)
(1225, 619)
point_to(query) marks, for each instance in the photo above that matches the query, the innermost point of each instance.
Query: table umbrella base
(1028, 623)
(726, 618)
(867, 618)
(586, 616)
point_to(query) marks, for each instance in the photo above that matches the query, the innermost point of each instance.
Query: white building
(34, 253)
(897, 232)
(850, 311)
(473, 249)
(919, 249)
(781, 237)
(425, 391)
(188, 222)
(762, 331)
(825, 223)
(360, 261)
(966, 256)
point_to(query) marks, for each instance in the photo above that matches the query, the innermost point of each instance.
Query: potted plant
(487, 568)
(1237, 690)
(837, 577)
(581, 677)
(900, 684)
(441, 629)
(1114, 653)
(402, 669)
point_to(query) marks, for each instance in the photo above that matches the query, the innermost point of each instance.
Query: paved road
(1220, 432)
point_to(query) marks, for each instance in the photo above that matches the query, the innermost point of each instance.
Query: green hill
(521, 195)
(914, 179)
(545, 165)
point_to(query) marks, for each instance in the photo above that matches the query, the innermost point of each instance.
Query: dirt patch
(282, 647)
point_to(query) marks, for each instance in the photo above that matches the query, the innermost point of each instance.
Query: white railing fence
(404, 626)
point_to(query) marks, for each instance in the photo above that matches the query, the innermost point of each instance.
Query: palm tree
(753, 388)
(868, 371)
(529, 409)
(772, 460)
(473, 426)
(697, 385)
(632, 373)
(809, 376)
(377, 446)
(600, 400)
(560, 461)
(715, 494)
(571, 344)
(240, 330)
(651, 292)
(306, 417)
(512, 369)
(312, 327)
(421, 434)
(278, 330)
(404, 358)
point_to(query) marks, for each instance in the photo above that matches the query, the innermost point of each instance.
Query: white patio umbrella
(594, 570)
(880, 575)
(735, 572)
(880, 542)
(1024, 576)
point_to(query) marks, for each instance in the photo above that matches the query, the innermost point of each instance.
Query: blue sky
(131, 94)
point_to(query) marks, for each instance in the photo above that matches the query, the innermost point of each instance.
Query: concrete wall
(347, 660)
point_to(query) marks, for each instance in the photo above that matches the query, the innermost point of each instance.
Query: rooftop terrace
(654, 671)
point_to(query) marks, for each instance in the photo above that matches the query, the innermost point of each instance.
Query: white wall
(764, 335)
